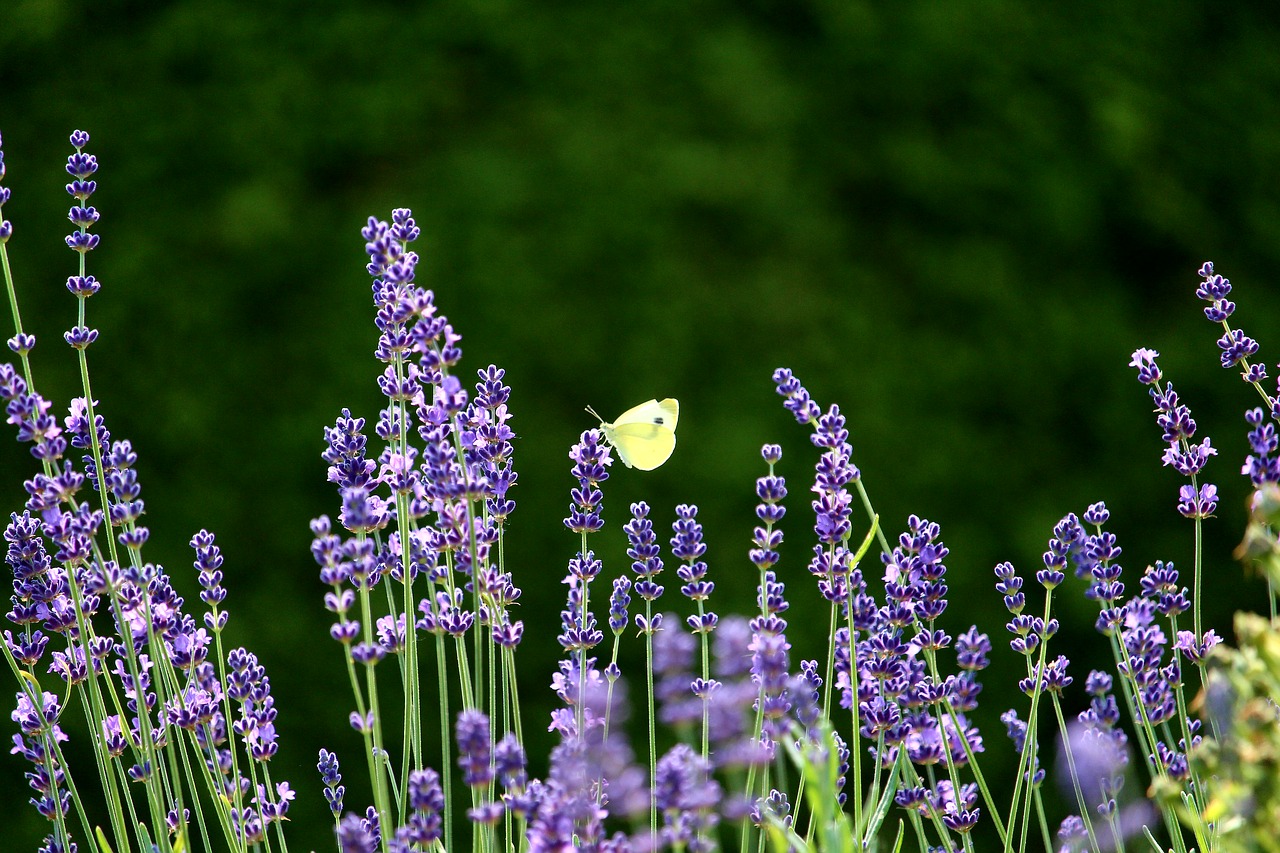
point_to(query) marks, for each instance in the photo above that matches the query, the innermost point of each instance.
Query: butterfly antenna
(594, 415)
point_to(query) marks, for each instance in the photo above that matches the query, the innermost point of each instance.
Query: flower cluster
(771, 745)
(151, 678)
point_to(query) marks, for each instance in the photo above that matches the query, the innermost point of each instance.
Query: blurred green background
(956, 220)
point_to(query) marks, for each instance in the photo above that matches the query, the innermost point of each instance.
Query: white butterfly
(643, 436)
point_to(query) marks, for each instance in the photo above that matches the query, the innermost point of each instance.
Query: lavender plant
(865, 744)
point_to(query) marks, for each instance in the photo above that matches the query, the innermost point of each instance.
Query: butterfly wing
(662, 413)
(645, 436)
(643, 446)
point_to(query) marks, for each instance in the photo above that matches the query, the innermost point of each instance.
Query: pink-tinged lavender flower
(37, 718)
(248, 684)
(363, 511)
(1145, 361)
(1197, 503)
(390, 631)
(943, 798)
(29, 412)
(274, 805)
(1197, 651)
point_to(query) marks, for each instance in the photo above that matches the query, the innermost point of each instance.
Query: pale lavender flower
(29, 412)
(355, 835)
(1017, 731)
(686, 797)
(474, 748)
(1197, 650)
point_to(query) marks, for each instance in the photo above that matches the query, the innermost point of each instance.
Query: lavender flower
(688, 547)
(1178, 427)
(643, 550)
(619, 601)
(474, 748)
(686, 796)
(29, 412)
(334, 790)
(771, 490)
(590, 466)
(355, 835)
(1236, 347)
(36, 714)
(248, 684)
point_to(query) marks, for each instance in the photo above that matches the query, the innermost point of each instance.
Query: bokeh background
(956, 220)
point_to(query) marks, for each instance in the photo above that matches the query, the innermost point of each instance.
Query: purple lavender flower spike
(1179, 428)
(619, 601)
(81, 167)
(771, 490)
(330, 774)
(474, 748)
(686, 796)
(591, 459)
(355, 836)
(1236, 347)
(798, 401)
(29, 412)
(643, 550)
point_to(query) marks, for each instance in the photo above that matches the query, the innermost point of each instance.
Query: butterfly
(645, 435)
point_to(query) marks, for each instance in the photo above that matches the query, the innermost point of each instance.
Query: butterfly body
(644, 436)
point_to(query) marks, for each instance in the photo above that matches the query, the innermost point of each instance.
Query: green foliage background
(954, 219)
